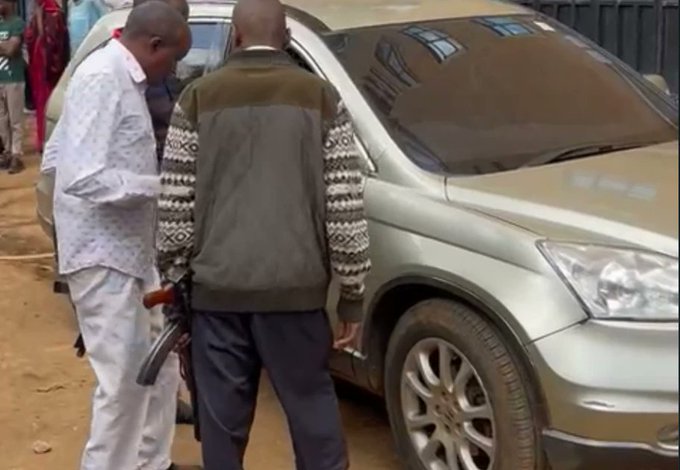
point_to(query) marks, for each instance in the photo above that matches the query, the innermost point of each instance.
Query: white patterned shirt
(106, 181)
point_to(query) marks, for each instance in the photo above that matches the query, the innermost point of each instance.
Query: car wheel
(455, 396)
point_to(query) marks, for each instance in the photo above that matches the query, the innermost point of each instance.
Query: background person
(12, 78)
(82, 16)
(47, 45)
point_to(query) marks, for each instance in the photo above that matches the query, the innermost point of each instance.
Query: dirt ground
(45, 390)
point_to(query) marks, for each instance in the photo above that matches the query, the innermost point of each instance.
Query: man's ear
(155, 43)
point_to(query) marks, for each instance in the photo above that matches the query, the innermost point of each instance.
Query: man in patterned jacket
(262, 197)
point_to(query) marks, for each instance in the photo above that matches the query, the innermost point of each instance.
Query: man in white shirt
(105, 196)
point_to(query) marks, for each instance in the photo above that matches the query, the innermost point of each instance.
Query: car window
(367, 165)
(483, 95)
(208, 49)
(209, 42)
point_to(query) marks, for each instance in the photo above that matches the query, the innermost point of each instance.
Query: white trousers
(132, 426)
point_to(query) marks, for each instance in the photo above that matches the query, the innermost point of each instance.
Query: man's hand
(346, 335)
(182, 343)
(10, 47)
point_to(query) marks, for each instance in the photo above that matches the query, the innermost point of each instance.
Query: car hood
(626, 198)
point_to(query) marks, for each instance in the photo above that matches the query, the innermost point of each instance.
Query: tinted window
(480, 95)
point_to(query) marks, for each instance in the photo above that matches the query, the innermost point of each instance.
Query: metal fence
(644, 33)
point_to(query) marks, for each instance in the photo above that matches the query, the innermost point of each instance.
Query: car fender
(414, 288)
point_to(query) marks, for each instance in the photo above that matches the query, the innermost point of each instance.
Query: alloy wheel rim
(446, 408)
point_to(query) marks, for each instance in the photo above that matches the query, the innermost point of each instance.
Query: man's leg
(5, 132)
(159, 427)
(295, 349)
(116, 329)
(15, 109)
(227, 372)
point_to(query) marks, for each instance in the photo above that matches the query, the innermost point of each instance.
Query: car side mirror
(659, 82)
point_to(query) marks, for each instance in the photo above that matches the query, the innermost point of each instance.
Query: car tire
(441, 324)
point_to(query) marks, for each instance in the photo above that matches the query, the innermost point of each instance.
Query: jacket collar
(260, 57)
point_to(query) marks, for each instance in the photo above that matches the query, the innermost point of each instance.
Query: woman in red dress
(47, 45)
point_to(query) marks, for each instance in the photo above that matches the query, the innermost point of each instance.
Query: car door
(361, 363)
(311, 54)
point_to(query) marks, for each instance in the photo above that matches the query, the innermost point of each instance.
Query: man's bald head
(182, 6)
(260, 23)
(158, 36)
(155, 18)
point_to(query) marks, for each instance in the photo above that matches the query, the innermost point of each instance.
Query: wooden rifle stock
(164, 296)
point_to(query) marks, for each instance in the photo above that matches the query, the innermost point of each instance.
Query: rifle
(161, 348)
(175, 297)
(177, 309)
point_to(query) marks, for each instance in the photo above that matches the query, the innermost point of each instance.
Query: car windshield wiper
(581, 152)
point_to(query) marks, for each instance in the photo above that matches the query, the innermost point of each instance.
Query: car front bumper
(611, 395)
(566, 452)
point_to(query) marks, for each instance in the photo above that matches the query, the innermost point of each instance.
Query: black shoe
(16, 166)
(185, 415)
(5, 160)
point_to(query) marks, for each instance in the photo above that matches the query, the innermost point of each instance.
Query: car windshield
(488, 94)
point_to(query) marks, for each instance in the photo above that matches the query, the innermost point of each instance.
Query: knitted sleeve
(346, 226)
(175, 237)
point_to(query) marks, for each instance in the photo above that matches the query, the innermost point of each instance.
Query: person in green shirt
(12, 78)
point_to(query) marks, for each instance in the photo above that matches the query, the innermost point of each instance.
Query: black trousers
(229, 351)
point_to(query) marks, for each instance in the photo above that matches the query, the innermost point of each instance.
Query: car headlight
(618, 283)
